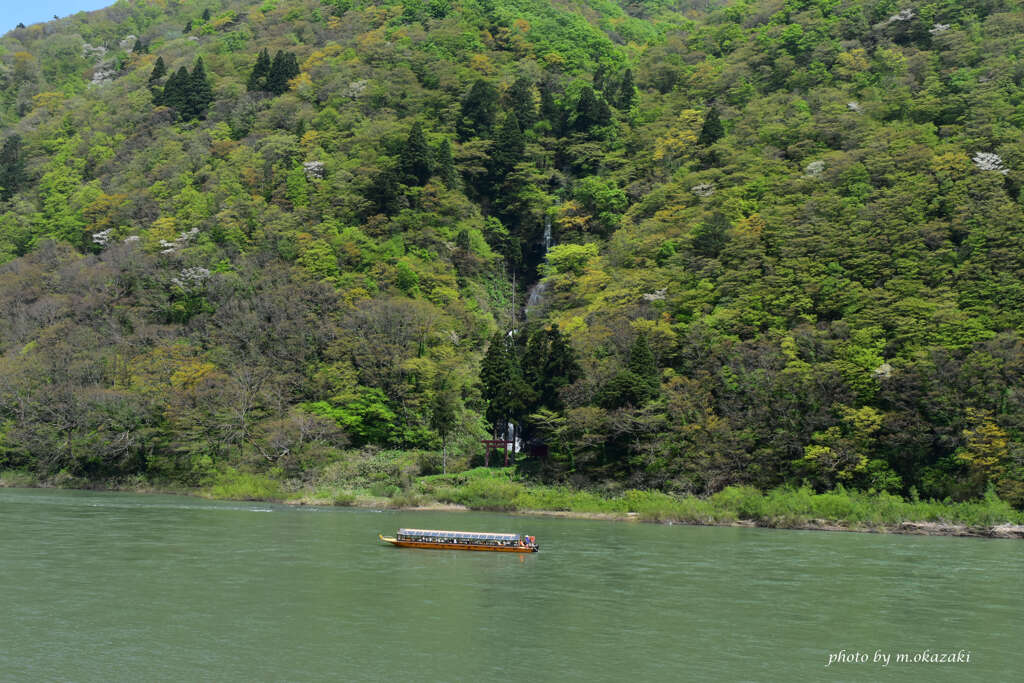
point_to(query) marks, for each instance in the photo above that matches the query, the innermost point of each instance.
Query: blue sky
(32, 11)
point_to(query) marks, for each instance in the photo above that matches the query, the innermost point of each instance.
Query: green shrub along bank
(781, 507)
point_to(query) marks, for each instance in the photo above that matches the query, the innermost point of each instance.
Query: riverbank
(498, 490)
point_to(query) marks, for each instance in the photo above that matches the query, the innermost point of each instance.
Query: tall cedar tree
(478, 110)
(508, 148)
(627, 90)
(284, 69)
(549, 110)
(175, 93)
(414, 162)
(138, 48)
(12, 167)
(548, 365)
(261, 69)
(712, 130)
(591, 111)
(641, 360)
(200, 92)
(445, 164)
(519, 100)
(159, 70)
(503, 388)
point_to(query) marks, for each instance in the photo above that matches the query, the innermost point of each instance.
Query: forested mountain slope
(786, 240)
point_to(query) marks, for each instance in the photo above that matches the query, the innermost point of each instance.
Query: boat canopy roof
(467, 535)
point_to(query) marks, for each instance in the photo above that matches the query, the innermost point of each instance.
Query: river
(125, 587)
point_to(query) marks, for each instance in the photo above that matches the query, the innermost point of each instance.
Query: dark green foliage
(200, 92)
(712, 130)
(641, 360)
(591, 110)
(549, 364)
(502, 384)
(711, 236)
(12, 167)
(519, 101)
(176, 92)
(445, 164)
(189, 94)
(206, 14)
(188, 27)
(478, 110)
(414, 162)
(549, 110)
(258, 76)
(284, 68)
(627, 91)
(508, 146)
(159, 70)
(139, 48)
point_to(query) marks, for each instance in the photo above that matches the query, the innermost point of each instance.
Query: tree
(200, 93)
(445, 164)
(549, 364)
(478, 110)
(519, 101)
(176, 91)
(503, 388)
(139, 48)
(591, 111)
(284, 68)
(12, 167)
(206, 14)
(627, 90)
(260, 70)
(159, 69)
(549, 109)
(414, 161)
(712, 130)
(508, 146)
(443, 414)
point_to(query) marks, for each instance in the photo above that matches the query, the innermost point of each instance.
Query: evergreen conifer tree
(414, 162)
(712, 130)
(478, 110)
(600, 76)
(591, 111)
(206, 14)
(502, 382)
(12, 167)
(519, 100)
(446, 164)
(549, 110)
(260, 70)
(200, 93)
(159, 70)
(641, 360)
(627, 90)
(176, 91)
(138, 48)
(509, 145)
(284, 68)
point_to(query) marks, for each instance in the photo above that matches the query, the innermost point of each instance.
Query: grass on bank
(500, 490)
(783, 507)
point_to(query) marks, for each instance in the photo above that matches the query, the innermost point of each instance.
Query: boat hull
(459, 546)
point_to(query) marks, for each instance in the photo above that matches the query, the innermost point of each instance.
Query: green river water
(123, 587)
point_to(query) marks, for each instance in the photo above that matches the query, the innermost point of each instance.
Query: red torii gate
(493, 444)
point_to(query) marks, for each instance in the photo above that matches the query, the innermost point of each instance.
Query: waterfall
(537, 291)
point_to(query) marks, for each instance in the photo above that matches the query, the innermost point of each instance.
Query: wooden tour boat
(462, 540)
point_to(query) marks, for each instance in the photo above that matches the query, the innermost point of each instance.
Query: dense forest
(670, 244)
